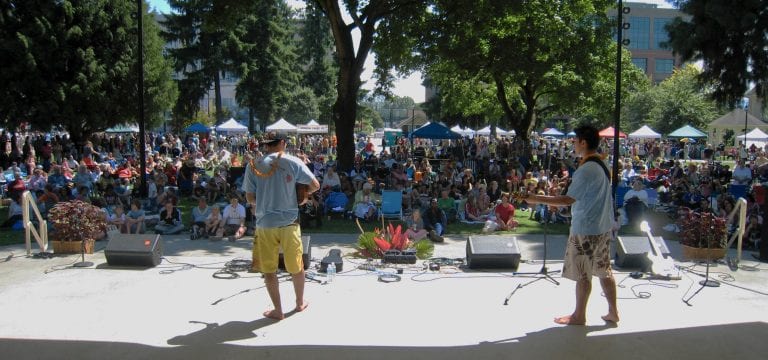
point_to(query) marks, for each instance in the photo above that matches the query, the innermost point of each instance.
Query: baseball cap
(273, 137)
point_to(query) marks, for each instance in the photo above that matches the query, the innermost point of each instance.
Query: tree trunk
(344, 114)
(251, 122)
(523, 125)
(217, 95)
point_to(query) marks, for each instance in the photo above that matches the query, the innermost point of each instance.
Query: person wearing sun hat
(270, 188)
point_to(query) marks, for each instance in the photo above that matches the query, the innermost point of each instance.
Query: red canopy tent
(610, 131)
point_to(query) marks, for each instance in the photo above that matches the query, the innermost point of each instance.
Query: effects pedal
(400, 257)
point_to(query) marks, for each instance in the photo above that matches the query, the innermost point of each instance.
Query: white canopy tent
(499, 131)
(464, 132)
(312, 123)
(756, 137)
(644, 132)
(311, 127)
(282, 126)
(230, 127)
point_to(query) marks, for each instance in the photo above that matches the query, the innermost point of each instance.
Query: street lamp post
(142, 130)
(745, 105)
(620, 11)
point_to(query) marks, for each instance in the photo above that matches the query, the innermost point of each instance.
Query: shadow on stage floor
(733, 341)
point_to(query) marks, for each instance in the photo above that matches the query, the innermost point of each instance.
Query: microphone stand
(543, 273)
(83, 263)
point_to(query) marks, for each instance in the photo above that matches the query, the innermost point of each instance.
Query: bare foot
(274, 314)
(569, 320)
(302, 307)
(614, 318)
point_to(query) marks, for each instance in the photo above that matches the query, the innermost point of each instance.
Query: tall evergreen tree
(265, 59)
(200, 52)
(74, 64)
(731, 38)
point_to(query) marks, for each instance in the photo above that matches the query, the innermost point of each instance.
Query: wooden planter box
(72, 247)
(693, 253)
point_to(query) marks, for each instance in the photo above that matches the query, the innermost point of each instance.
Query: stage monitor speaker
(134, 250)
(492, 251)
(631, 250)
(306, 257)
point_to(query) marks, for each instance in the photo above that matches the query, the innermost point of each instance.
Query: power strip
(366, 267)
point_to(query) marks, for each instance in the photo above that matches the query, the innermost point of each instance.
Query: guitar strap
(593, 158)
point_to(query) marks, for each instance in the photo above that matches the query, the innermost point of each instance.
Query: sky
(409, 86)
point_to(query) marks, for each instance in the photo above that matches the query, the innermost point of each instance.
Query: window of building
(639, 33)
(660, 34)
(642, 63)
(665, 66)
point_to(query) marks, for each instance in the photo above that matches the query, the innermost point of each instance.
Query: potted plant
(703, 235)
(76, 224)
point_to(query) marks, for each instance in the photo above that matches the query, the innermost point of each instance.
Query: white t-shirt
(233, 215)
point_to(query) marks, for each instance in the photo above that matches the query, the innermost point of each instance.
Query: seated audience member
(213, 223)
(14, 212)
(505, 214)
(199, 215)
(170, 219)
(365, 209)
(117, 218)
(415, 224)
(435, 221)
(48, 199)
(233, 219)
(134, 221)
(472, 211)
(311, 211)
(448, 205)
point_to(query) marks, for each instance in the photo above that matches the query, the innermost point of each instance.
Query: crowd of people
(441, 182)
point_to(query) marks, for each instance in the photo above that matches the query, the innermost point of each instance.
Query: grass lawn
(344, 226)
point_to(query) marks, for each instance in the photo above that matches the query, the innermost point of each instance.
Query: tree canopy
(731, 39)
(74, 64)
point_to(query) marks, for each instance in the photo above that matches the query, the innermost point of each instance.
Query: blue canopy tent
(197, 127)
(435, 131)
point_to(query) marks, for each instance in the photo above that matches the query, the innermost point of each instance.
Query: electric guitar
(661, 267)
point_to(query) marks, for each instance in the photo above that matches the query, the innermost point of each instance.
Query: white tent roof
(487, 131)
(282, 125)
(754, 135)
(463, 132)
(231, 126)
(645, 132)
(312, 123)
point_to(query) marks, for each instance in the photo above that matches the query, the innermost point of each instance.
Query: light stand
(543, 273)
(83, 263)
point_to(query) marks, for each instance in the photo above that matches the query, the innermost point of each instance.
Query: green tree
(265, 58)
(73, 63)
(675, 102)
(537, 57)
(369, 18)
(316, 58)
(680, 101)
(201, 51)
(730, 38)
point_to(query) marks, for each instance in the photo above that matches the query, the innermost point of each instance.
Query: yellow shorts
(269, 241)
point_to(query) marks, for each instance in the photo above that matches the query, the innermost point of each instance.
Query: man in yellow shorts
(270, 188)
